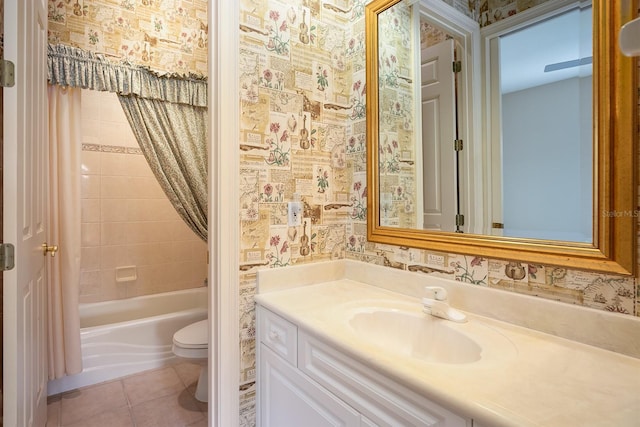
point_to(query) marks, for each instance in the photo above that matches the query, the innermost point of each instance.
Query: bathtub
(126, 336)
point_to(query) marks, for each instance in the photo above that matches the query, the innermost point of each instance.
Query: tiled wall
(126, 218)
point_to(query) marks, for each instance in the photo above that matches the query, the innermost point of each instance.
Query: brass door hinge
(457, 66)
(497, 225)
(458, 145)
(7, 73)
(459, 220)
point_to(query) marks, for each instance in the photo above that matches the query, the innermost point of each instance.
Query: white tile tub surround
(610, 331)
(126, 218)
(546, 381)
(104, 121)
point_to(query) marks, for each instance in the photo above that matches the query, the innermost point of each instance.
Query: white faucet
(435, 304)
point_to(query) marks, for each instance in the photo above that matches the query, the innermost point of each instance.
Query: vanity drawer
(278, 334)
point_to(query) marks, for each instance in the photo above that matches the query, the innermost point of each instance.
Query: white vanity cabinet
(304, 381)
(286, 397)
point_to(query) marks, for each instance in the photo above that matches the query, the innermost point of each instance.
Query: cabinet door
(385, 403)
(288, 398)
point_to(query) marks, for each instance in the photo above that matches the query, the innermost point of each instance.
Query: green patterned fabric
(173, 138)
(70, 66)
(168, 116)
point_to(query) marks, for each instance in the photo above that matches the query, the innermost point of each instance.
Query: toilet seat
(192, 342)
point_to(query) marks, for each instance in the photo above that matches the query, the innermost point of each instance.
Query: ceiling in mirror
(554, 49)
(491, 163)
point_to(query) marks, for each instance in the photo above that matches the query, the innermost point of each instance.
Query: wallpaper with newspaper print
(397, 154)
(164, 35)
(303, 137)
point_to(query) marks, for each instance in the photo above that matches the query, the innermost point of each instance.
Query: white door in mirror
(438, 134)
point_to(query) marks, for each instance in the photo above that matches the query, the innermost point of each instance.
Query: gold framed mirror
(615, 132)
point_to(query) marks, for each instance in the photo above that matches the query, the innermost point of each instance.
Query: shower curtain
(173, 139)
(65, 357)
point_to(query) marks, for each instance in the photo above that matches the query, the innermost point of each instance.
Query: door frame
(224, 214)
(1, 232)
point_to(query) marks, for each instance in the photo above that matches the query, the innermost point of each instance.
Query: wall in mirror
(397, 149)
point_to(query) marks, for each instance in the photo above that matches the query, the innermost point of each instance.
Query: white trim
(530, 16)
(417, 118)
(447, 16)
(492, 136)
(224, 352)
(12, 52)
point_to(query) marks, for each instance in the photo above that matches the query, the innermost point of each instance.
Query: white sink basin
(416, 336)
(413, 335)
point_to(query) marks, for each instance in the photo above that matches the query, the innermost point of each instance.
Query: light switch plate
(294, 214)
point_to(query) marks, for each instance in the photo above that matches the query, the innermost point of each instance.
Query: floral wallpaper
(487, 12)
(490, 11)
(168, 36)
(431, 35)
(302, 137)
(397, 155)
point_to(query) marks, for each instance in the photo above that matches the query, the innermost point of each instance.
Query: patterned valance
(70, 66)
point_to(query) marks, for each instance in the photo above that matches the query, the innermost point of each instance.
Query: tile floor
(161, 397)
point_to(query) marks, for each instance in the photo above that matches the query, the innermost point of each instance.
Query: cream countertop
(537, 380)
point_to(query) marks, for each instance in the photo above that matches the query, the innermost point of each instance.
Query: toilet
(191, 343)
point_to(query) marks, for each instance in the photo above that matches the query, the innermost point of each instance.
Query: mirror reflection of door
(438, 133)
(545, 100)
